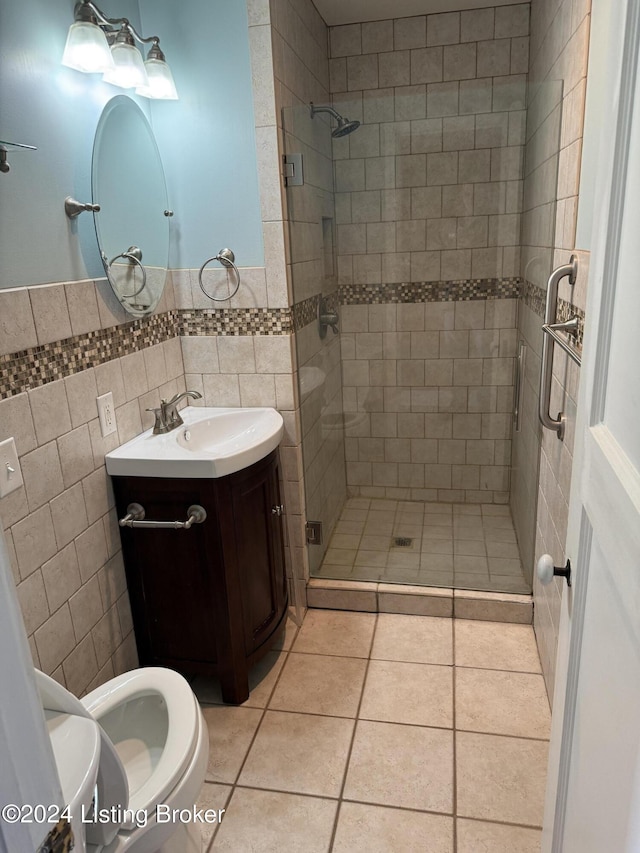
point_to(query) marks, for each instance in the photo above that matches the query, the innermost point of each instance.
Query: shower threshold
(455, 546)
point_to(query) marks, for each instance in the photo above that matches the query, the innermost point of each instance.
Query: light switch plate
(10, 473)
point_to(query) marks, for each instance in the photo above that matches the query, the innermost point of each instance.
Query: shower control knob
(277, 510)
(546, 571)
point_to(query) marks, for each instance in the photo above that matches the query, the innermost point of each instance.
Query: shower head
(344, 128)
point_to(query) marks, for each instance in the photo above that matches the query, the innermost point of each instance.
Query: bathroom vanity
(210, 598)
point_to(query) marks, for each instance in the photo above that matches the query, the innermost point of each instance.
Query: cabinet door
(171, 573)
(259, 545)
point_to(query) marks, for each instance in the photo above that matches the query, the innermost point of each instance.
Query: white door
(593, 796)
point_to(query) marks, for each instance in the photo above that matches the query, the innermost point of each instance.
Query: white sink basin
(212, 443)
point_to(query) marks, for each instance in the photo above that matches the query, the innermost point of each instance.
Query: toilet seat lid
(182, 712)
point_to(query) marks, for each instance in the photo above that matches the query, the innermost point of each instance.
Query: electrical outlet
(106, 414)
(10, 473)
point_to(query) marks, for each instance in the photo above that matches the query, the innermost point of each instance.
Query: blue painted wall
(207, 138)
(57, 110)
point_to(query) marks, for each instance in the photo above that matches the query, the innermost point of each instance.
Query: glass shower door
(311, 221)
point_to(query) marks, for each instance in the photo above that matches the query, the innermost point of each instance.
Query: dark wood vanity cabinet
(212, 599)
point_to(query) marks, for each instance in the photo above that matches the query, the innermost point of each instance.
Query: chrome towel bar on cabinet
(135, 517)
(551, 336)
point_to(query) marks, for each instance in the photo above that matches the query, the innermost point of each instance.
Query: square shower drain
(401, 542)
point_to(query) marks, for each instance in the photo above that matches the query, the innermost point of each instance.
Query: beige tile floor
(382, 733)
(466, 546)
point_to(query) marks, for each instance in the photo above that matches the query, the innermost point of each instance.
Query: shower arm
(329, 110)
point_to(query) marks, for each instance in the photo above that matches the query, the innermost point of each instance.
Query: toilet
(154, 751)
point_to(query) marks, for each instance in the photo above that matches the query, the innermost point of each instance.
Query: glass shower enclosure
(406, 232)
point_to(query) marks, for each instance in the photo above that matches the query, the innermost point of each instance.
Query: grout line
(353, 736)
(287, 652)
(226, 804)
(377, 805)
(381, 805)
(502, 822)
(389, 722)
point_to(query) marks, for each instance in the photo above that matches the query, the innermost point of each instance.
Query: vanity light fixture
(161, 84)
(128, 68)
(97, 44)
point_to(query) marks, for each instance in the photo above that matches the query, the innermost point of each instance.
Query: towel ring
(134, 255)
(226, 258)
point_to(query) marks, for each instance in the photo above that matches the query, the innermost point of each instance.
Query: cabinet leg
(235, 687)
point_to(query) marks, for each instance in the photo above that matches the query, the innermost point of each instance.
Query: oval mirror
(132, 226)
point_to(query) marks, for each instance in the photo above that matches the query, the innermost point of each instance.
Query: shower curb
(371, 597)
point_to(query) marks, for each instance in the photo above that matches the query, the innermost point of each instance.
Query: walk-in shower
(410, 229)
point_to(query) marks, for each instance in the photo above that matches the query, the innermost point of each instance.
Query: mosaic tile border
(236, 321)
(430, 291)
(36, 366)
(30, 368)
(535, 298)
(306, 312)
(565, 311)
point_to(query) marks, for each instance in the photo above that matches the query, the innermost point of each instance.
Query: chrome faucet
(167, 416)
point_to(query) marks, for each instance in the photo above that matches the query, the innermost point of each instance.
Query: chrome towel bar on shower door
(551, 336)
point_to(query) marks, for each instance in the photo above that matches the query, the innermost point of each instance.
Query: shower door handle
(518, 390)
(569, 270)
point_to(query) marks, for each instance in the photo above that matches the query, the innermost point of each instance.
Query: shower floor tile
(468, 546)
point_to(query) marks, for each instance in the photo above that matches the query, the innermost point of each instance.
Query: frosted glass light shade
(87, 48)
(161, 82)
(128, 71)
